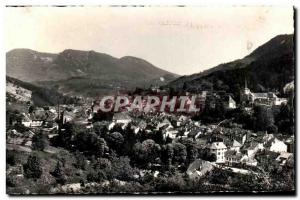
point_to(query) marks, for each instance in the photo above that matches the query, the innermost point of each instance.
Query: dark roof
(260, 95)
(233, 154)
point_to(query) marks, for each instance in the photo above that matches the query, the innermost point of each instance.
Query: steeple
(246, 89)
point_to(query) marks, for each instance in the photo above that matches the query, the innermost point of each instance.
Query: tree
(184, 86)
(102, 163)
(32, 168)
(219, 176)
(284, 119)
(147, 151)
(167, 154)
(263, 117)
(206, 155)
(115, 140)
(272, 129)
(191, 149)
(10, 157)
(80, 161)
(59, 174)
(38, 141)
(180, 153)
(65, 135)
(100, 129)
(121, 169)
(101, 146)
(220, 109)
(90, 143)
(192, 152)
(31, 109)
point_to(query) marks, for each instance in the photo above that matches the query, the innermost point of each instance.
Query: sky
(182, 40)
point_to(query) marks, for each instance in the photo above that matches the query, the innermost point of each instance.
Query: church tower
(245, 93)
(246, 89)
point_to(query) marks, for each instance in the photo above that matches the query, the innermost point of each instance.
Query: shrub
(32, 168)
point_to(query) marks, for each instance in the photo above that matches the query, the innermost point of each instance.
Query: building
(219, 149)
(233, 157)
(284, 157)
(228, 102)
(290, 142)
(267, 98)
(277, 146)
(248, 160)
(236, 146)
(164, 124)
(199, 168)
(122, 118)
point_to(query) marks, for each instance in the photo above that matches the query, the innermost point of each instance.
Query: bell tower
(246, 89)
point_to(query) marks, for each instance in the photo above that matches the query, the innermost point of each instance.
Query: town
(232, 143)
(150, 100)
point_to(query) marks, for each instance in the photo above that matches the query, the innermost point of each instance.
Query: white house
(278, 146)
(122, 118)
(283, 157)
(253, 149)
(236, 146)
(166, 123)
(219, 149)
(199, 168)
(249, 160)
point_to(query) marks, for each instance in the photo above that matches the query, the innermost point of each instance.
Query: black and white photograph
(150, 100)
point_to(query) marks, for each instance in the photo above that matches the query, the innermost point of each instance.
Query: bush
(32, 168)
(39, 142)
(10, 158)
(59, 174)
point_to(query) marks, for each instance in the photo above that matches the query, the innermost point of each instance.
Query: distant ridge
(89, 71)
(269, 67)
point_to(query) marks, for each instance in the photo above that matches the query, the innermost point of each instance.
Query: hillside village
(233, 144)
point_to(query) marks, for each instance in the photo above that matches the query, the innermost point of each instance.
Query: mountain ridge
(94, 69)
(271, 65)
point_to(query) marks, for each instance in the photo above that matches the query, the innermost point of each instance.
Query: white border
(3, 195)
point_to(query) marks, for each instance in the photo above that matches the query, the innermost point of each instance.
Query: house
(181, 120)
(26, 121)
(276, 145)
(199, 168)
(253, 149)
(232, 157)
(267, 137)
(249, 160)
(165, 123)
(283, 157)
(121, 118)
(290, 144)
(236, 146)
(267, 98)
(171, 133)
(68, 116)
(228, 102)
(38, 118)
(15, 170)
(219, 149)
(142, 125)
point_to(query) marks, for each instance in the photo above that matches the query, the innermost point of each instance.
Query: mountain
(268, 68)
(19, 92)
(83, 72)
